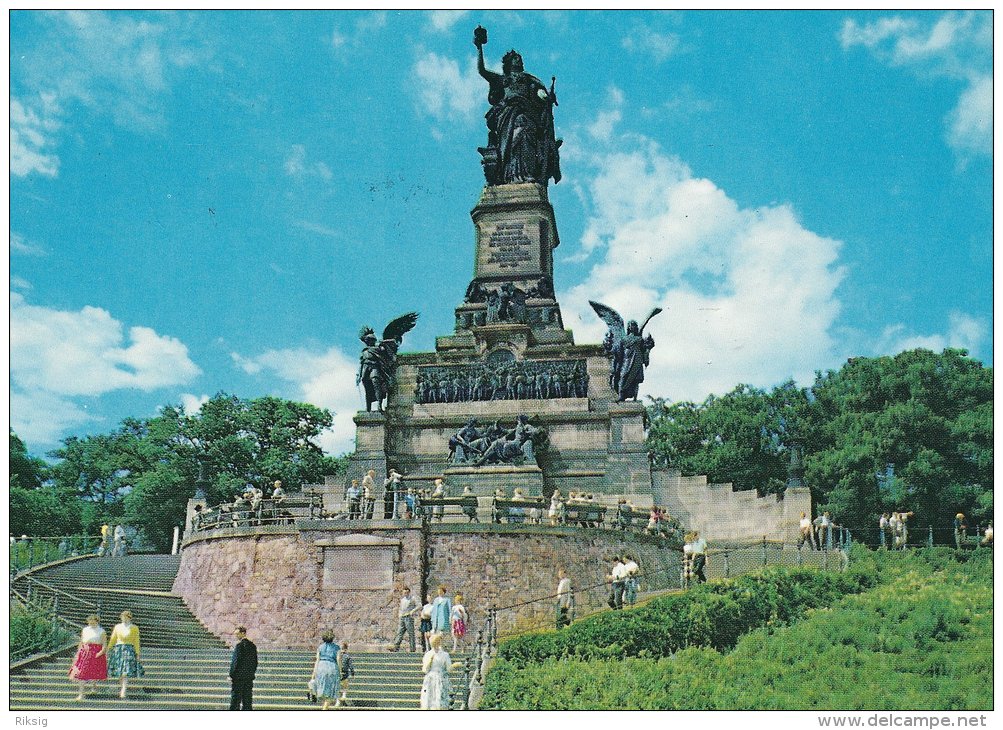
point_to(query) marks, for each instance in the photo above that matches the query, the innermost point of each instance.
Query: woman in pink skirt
(90, 663)
(458, 620)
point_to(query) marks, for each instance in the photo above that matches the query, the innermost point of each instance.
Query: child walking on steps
(347, 672)
(458, 620)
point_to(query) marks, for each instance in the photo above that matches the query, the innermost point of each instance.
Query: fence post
(929, 537)
(55, 612)
(480, 655)
(800, 560)
(727, 565)
(764, 551)
(466, 683)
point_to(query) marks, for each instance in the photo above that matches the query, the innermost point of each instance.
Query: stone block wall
(273, 580)
(721, 514)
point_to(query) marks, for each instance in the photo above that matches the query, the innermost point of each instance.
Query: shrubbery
(712, 615)
(922, 639)
(31, 633)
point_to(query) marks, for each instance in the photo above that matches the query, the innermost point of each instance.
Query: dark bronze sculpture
(496, 445)
(379, 358)
(517, 380)
(628, 351)
(521, 143)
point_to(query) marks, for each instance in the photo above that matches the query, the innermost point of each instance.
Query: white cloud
(346, 39)
(324, 379)
(297, 166)
(963, 331)
(40, 417)
(957, 45)
(970, 124)
(749, 295)
(19, 244)
(444, 20)
(30, 139)
(193, 403)
(659, 46)
(18, 282)
(447, 92)
(108, 63)
(607, 119)
(87, 353)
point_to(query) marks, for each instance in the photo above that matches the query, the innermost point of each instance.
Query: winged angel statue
(628, 351)
(379, 359)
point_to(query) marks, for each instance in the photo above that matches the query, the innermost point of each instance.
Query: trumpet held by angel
(627, 348)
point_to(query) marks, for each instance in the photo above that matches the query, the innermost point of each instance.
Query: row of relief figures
(507, 303)
(516, 380)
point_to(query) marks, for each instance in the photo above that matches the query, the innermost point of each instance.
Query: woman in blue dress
(441, 608)
(326, 679)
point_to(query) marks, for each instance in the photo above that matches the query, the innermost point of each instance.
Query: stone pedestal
(370, 448)
(484, 480)
(628, 470)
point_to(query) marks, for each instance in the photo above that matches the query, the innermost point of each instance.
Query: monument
(464, 411)
(507, 401)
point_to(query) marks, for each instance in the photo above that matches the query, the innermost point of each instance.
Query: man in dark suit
(243, 666)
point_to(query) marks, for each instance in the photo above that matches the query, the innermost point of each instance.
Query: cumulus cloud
(193, 403)
(958, 46)
(446, 91)
(58, 357)
(296, 165)
(444, 20)
(88, 352)
(325, 379)
(749, 294)
(108, 63)
(963, 331)
(40, 417)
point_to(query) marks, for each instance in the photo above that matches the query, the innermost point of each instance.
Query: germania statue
(521, 143)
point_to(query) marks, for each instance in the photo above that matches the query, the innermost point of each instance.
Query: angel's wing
(608, 315)
(400, 326)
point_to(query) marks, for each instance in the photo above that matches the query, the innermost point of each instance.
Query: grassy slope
(922, 639)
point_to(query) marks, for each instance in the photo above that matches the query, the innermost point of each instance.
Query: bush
(711, 615)
(920, 640)
(31, 632)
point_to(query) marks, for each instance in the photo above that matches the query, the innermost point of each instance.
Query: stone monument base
(484, 480)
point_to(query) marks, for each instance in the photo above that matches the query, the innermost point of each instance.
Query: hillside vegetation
(918, 636)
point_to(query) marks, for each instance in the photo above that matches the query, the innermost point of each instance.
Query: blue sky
(217, 201)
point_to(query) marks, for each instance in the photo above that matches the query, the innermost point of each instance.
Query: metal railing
(244, 513)
(50, 603)
(922, 536)
(30, 552)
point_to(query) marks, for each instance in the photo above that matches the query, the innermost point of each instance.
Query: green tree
(37, 507)
(910, 432)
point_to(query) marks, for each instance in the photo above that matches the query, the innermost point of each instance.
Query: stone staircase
(186, 666)
(138, 583)
(188, 679)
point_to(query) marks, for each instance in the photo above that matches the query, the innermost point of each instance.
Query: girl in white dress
(435, 688)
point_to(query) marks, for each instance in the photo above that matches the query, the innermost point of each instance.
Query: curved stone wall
(288, 585)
